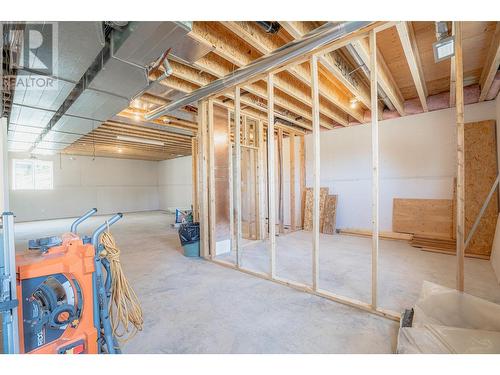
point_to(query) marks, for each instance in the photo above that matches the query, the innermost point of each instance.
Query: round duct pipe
(269, 27)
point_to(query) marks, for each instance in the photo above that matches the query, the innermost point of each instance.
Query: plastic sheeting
(449, 321)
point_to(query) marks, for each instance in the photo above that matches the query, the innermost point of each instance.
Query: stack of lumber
(382, 234)
(433, 243)
(327, 211)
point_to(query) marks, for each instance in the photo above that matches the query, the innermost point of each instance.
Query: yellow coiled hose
(126, 314)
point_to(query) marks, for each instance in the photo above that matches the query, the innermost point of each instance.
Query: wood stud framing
(237, 166)
(235, 44)
(452, 73)
(261, 178)
(211, 178)
(459, 76)
(491, 66)
(377, 74)
(281, 184)
(407, 38)
(375, 173)
(270, 176)
(203, 181)
(385, 78)
(316, 172)
(292, 182)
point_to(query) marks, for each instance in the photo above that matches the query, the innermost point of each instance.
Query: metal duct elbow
(441, 30)
(269, 27)
(168, 69)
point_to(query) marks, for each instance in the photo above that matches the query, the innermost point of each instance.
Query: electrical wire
(126, 314)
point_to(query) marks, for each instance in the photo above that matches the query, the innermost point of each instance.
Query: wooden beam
(261, 178)
(359, 92)
(491, 65)
(233, 51)
(211, 179)
(408, 41)
(295, 28)
(203, 166)
(459, 76)
(265, 44)
(194, 171)
(232, 200)
(281, 184)
(186, 79)
(271, 181)
(302, 158)
(375, 173)
(292, 182)
(316, 171)
(331, 62)
(237, 166)
(385, 78)
(453, 85)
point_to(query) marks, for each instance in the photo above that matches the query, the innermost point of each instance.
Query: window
(32, 174)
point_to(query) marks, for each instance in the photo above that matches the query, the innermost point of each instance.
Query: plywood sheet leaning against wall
(330, 213)
(308, 216)
(430, 217)
(481, 169)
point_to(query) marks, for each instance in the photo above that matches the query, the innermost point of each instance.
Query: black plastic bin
(189, 235)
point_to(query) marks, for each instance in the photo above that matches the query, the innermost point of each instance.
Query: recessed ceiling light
(354, 102)
(120, 150)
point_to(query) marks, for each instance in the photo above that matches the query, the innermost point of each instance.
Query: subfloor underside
(195, 306)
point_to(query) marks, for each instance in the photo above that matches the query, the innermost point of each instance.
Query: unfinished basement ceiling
(212, 50)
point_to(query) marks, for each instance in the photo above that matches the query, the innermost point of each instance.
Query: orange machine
(56, 289)
(63, 295)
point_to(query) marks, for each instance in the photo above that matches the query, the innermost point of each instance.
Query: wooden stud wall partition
(459, 91)
(314, 288)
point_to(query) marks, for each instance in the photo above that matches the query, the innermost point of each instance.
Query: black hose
(269, 27)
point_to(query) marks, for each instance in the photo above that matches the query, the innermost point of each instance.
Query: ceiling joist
(407, 38)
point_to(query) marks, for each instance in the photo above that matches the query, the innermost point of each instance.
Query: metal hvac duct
(317, 38)
(366, 71)
(269, 27)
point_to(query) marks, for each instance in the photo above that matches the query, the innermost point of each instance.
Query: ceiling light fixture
(139, 140)
(354, 102)
(120, 150)
(444, 48)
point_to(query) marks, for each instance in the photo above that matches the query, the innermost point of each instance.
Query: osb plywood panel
(431, 217)
(481, 170)
(308, 215)
(330, 214)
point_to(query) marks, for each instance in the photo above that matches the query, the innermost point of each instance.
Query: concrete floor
(345, 267)
(195, 306)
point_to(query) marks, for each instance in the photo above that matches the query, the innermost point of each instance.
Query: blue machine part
(102, 320)
(45, 243)
(44, 299)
